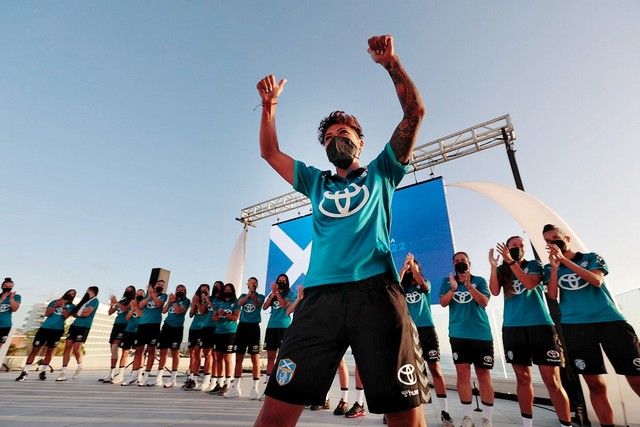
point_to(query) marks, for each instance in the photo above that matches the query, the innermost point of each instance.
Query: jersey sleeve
(596, 262)
(303, 177)
(445, 286)
(482, 287)
(17, 298)
(546, 273)
(389, 166)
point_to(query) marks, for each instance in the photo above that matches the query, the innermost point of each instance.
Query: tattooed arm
(404, 137)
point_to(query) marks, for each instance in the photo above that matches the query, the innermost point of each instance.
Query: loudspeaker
(160, 274)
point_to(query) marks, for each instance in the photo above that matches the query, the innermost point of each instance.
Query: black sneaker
(341, 409)
(326, 405)
(356, 411)
(43, 376)
(22, 376)
(216, 389)
(446, 419)
(384, 419)
(222, 390)
(190, 385)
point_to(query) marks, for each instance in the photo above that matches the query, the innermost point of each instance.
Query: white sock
(266, 379)
(527, 422)
(138, 374)
(114, 372)
(444, 405)
(42, 367)
(27, 367)
(360, 396)
(344, 395)
(466, 409)
(174, 376)
(228, 381)
(220, 381)
(64, 370)
(487, 410)
(160, 374)
(207, 378)
(255, 384)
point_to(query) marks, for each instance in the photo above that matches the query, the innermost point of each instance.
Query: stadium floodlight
(474, 139)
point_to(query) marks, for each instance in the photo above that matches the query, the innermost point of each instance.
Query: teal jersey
(279, 317)
(250, 310)
(351, 219)
(85, 322)
(151, 313)
(198, 320)
(56, 319)
(467, 318)
(526, 307)
(121, 315)
(227, 326)
(581, 302)
(5, 311)
(207, 321)
(419, 304)
(174, 319)
(132, 324)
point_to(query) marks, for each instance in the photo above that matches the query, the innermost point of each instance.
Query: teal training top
(85, 322)
(250, 311)
(151, 313)
(526, 307)
(467, 318)
(56, 319)
(121, 316)
(581, 302)
(174, 319)
(419, 304)
(132, 324)
(227, 326)
(279, 317)
(197, 321)
(5, 311)
(351, 219)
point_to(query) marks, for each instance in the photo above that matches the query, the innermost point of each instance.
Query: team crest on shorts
(286, 369)
(580, 364)
(553, 354)
(636, 362)
(488, 359)
(407, 374)
(510, 355)
(455, 355)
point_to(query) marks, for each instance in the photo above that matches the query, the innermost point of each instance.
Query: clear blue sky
(128, 138)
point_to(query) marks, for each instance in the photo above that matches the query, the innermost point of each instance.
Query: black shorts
(4, 334)
(247, 338)
(273, 338)
(170, 337)
(117, 332)
(618, 340)
(208, 336)
(478, 352)
(129, 340)
(195, 338)
(48, 337)
(369, 315)
(539, 344)
(429, 343)
(77, 333)
(148, 334)
(224, 343)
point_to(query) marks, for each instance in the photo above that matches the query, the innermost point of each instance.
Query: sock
(266, 379)
(442, 401)
(64, 370)
(174, 376)
(487, 410)
(236, 382)
(527, 420)
(79, 367)
(566, 423)
(42, 367)
(256, 381)
(160, 374)
(114, 372)
(207, 378)
(26, 368)
(360, 396)
(228, 381)
(344, 395)
(139, 374)
(220, 381)
(466, 409)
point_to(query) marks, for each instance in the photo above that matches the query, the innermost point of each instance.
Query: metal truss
(474, 139)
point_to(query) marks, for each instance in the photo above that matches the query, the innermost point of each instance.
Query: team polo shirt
(85, 322)
(250, 311)
(419, 304)
(581, 302)
(151, 313)
(526, 307)
(279, 317)
(227, 326)
(5, 311)
(467, 318)
(207, 321)
(121, 317)
(177, 319)
(132, 324)
(56, 319)
(197, 321)
(351, 219)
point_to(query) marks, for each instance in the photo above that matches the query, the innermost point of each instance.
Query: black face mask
(159, 289)
(228, 295)
(139, 298)
(215, 293)
(341, 152)
(282, 286)
(179, 294)
(86, 296)
(130, 295)
(6, 290)
(561, 244)
(461, 267)
(516, 253)
(407, 279)
(68, 297)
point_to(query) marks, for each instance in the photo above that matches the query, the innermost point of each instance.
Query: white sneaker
(233, 392)
(485, 422)
(254, 394)
(142, 380)
(206, 385)
(118, 379)
(106, 379)
(77, 372)
(170, 384)
(151, 382)
(159, 382)
(467, 422)
(130, 380)
(62, 377)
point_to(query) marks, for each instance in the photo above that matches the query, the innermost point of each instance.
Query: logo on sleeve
(571, 282)
(407, 374)
(286, 369)
(413, 297)
(344, 203)
(462, 297)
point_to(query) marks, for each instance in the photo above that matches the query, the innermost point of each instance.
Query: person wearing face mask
(208, 340)
(417, 294)
(467, 296)
(226, 315)
(119, 324)
(350, 263)
(198, 312)
(84, 312)
(49, 333)
(590, 319)
(278, 301)
(248, 337)
(9, 303)
(528, 333)
(172, 332)
(148, 333)
(133, 315)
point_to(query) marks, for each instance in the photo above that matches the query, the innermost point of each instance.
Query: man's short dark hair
(551, 227)
(338, 117)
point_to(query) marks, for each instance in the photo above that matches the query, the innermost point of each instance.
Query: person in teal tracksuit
(590, 319)
(9, 303)
(528, 333)
(467, 296)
